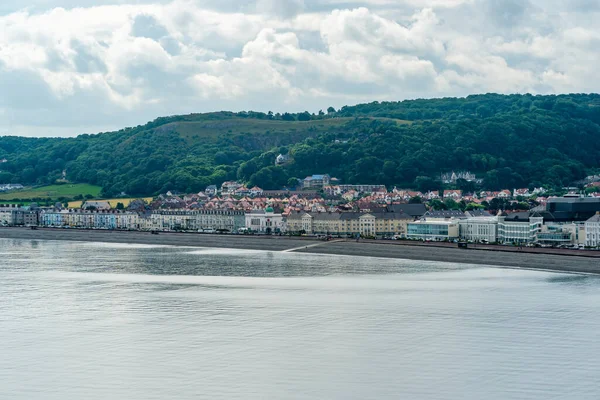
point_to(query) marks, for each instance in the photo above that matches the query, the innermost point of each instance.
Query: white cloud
(73, 65)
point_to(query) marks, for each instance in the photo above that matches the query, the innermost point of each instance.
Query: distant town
(324, 207)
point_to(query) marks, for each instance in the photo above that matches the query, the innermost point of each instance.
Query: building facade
(365, 224)
(8, 216)
(165, 220)
(519, 228)
(265, 221)
(316, 181)
(13, 215)
(592, 231)
(433, 230)
(479, 229)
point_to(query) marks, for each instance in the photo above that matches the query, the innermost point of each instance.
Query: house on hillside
(282, 159)
(350, 195)
(521, 192)
(10, 186)
(230, 187)
(453, 194)
(97, 205)
(316, 181)
(256, 191)
(453, 177)
(432, 195)
(504, 194)
(241, 191)
(211, 190)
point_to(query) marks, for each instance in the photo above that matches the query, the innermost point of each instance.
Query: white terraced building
(592, 231)
(435, 230)
(479, 229)
(519, 228)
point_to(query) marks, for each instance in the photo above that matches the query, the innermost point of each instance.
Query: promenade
(532, 258)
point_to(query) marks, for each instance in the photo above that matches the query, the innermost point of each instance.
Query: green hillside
(510, 141)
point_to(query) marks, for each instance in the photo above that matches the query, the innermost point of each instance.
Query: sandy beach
(543, 259)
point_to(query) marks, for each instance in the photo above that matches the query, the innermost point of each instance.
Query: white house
(432, 195)
(282, 159)
(98, 205)
(504, 194)
(256, 191)
(229, 187)
(453, 194)
(521, 192)
(211, 190)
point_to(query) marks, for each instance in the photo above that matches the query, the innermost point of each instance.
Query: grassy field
(112, 202)
(53, 192)
(213, 128)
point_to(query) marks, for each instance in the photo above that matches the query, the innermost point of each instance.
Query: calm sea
(106, 321)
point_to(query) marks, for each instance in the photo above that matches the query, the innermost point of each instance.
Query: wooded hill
(509, 141)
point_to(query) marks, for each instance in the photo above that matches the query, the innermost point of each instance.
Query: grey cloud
(508, 12)
(282, 8)
(171, 45)
(86, 62)
(24, 90)
(147, 26)
(55, 61)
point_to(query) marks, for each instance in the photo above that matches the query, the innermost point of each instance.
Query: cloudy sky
(84, 66)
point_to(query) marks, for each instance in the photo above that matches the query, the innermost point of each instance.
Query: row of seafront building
(517, 228)
(477, 226)
(186, 220)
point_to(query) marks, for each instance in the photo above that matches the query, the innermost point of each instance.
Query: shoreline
(574, 261)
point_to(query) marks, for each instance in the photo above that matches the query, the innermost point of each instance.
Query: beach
(579, 261)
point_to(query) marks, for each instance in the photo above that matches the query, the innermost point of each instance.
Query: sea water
(106, 321)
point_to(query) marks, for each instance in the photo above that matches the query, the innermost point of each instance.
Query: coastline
(536, 259)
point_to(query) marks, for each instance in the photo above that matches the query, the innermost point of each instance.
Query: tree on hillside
(426, 184)
(451, 204)
(305, 116)
(287, 117)
(466, 186)
(474, 206)
(437, 205)
(293, 182)
(509, 141)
